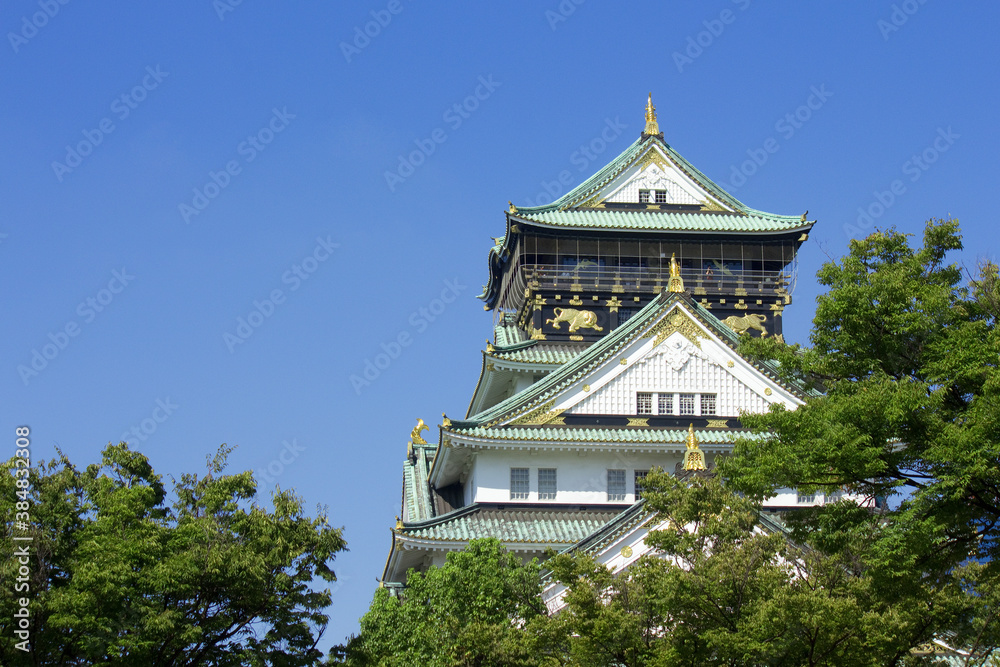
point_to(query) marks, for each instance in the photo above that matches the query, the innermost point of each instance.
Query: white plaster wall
(656, 375)
(680, 189)
(579, 479)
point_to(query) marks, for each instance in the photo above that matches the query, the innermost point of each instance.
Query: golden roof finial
(676, 283)
(652, 127)
(415, 433)
(694, 458)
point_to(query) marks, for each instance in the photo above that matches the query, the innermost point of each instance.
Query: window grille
(519, 483)
(644, 403)
(616, 485)
(665, 404)
(640, 476)
(686, 404)
(643, 196)
(661, 196)
(805, 498)
(546, 483)
(708, 404)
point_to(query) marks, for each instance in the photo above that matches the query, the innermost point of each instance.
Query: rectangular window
(519, 483)
(624, 315)
(643, 196)
(661, 196)
(546, 483)
(806, 498)
(687, 404)
(616, 485)
(640, 475)
(665, 404)
(708, 404)
(644, 403)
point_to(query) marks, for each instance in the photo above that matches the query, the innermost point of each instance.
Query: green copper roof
(541, 353)
(622, 434)
(527, 525)
(707, 221)
(417, 504)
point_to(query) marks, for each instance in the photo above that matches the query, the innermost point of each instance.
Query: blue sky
(172, 169)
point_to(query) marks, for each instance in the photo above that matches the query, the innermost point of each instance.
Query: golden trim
(586, 387)
(543, 414)
(706, 305)
(718, 423)
(638, 421)
(676, 321)
(740, 291)
(767, 391)
(576, 300)
(490, 367)
(730, 363)
(576, 337)
(626, 551)
(512, 208)
(623, 361)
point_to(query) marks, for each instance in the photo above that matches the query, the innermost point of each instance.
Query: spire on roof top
(652, 127)
(694, 459)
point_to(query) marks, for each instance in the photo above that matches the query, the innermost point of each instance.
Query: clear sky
(196, 217)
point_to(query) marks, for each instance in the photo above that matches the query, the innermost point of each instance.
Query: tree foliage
(121, 577)
(906, 350)
(482, 607)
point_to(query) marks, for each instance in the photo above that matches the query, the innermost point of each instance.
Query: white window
(805, 498)
(519, 483)
(643, 196)
(640, 476)
(616, 485)
(664, 404)
(661, 196)
(546, 483)
(686, 404)
(708, 404)
(644, 403)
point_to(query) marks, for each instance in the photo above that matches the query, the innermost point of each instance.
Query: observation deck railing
(640, 280)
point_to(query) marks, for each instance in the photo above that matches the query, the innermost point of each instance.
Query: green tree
(119, 577)
(482, 607)
(907, 355)
(723, 590)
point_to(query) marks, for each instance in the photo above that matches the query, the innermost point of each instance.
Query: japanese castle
(617, 312)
